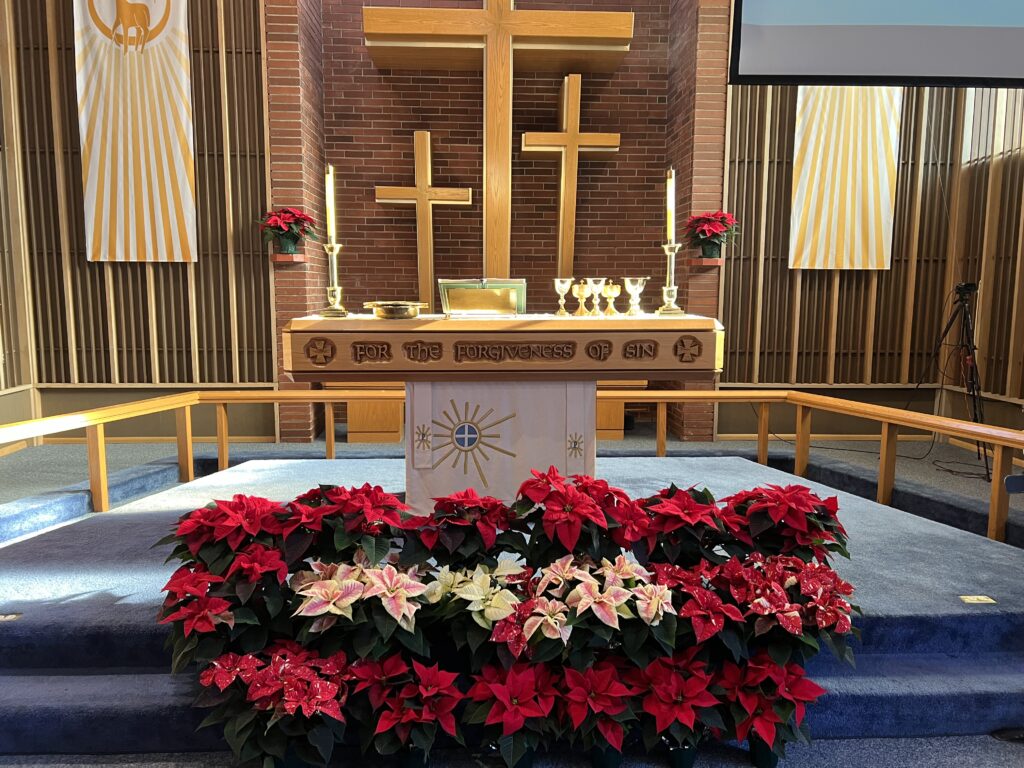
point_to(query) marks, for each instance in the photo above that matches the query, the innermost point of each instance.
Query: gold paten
(977, 599)
(395, 310)
(498, 301)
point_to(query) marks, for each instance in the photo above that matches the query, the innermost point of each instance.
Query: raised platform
(88, 594)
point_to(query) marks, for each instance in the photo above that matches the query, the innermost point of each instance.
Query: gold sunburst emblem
(575, 445)
(468, 436)
(423, 437)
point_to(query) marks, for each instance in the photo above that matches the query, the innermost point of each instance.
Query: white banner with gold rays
(844, 177)
(135, 114)
(489, 435)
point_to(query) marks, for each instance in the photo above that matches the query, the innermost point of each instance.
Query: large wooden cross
(424, 195)
(567, 144)
(490, 37)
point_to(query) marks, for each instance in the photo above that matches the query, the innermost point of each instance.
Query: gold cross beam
(491, 37)
(424, 195)
(567, 144)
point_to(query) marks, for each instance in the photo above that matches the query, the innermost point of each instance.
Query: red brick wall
(295, 97)
(369, 116)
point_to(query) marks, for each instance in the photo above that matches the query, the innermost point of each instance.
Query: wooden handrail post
(763, 415)
(662, 428)
(223, 455)
(803, 440)
(999, 501)
(329, 429)
(887, 463)
(95, 438)
(186, 464)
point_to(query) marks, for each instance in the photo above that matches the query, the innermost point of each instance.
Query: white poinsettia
(488, 599)
(445, 582)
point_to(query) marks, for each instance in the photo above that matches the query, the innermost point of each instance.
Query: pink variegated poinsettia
(329, 600)
(653, 601)
(607, 605)
(395, 590)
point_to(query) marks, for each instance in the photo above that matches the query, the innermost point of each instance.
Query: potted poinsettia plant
(287, 227)
(710, 231)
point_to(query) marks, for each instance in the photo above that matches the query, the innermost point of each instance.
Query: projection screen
(879, 42)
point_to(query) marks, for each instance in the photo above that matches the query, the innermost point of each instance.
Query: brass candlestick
(670, 293)
(335, 307)
(635, 288)
(562, 287)
(611, 292)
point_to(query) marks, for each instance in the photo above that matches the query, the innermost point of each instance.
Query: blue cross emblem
(466, 436)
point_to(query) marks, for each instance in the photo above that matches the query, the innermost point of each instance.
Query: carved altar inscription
(500, 352)
(371, 352)
(640, 349)
(423, 351)
(599, 350)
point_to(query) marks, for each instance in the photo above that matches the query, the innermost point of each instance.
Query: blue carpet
(929, 664)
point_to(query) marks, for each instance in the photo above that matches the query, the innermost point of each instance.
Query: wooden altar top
(540, 347)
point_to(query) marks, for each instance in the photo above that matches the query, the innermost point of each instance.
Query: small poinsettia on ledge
(710, 231)
(288, 227)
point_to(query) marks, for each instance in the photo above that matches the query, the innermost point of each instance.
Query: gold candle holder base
(335, 293)
(669, 295)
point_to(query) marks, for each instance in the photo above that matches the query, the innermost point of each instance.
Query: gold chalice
(562, 287)
(611, 292)
(634, 287)
(581, 292)
(596, 285)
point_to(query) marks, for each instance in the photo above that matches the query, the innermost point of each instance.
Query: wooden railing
(1002, 440)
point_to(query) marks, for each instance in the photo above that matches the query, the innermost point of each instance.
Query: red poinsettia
(296, 680)
(537, 488)
(597, 691)
(367, 509)
(681, 510)
(512, 630)
(430, 698)
(377, 677)
(565, 512)
(246, 516)
(190, 582)
(712, 227)
(522, 693)
(202, 615)
(225, 669)
(311, 518)
(673, 691)
(288, 222)
(708, 613)
(257, 559)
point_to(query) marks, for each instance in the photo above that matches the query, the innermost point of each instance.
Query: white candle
(670, 206)
(329, 199)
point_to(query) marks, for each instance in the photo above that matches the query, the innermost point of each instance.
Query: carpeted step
(101, 712)
(920, 695)
(72, 712)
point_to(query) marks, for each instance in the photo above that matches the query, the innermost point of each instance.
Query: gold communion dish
(562, 287)
(596, 285)
(635, 288)
(581, 292)
(611, 292)
(395, 310)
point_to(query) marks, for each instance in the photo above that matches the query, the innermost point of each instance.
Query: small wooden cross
(424, 196)
(494, 38)
(568, 144)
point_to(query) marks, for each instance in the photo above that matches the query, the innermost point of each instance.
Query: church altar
(489, 399)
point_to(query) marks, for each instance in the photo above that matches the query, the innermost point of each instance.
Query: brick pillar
(696, 137)
(294, 51)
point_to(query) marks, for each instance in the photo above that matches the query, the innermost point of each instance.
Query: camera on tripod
(963, 290)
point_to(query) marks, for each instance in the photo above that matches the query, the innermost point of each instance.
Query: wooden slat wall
(958, 217)
(11, 374)
(149, 323)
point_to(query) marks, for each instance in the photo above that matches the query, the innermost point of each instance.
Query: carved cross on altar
(568, 144)
(424, 196)
(489, 37)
